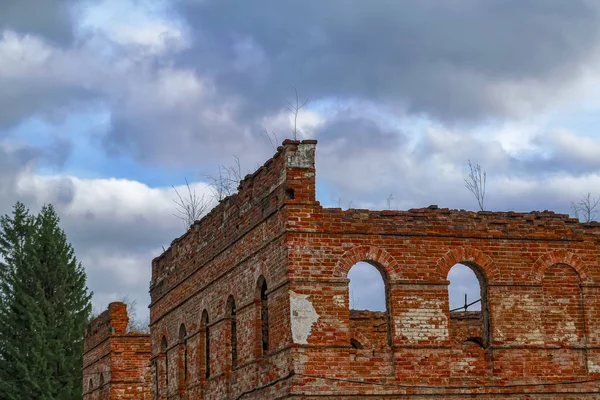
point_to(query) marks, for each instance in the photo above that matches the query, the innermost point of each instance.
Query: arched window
(367, 288)
(205, 344)
(164, 348)
(467, 294)
(101, 380)
(183, 366)
(232, 330)
(368, 300)
(90, 385)
(263, 320)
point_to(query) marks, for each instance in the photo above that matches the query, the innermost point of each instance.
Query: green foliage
(44, 308)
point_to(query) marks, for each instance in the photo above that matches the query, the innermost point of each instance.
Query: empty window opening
(368, 303)
(355, 344)
(205, 343)
(232, 330)
(264, 315)
(467, 299)
(183, 354)
(91, 385)
(101, 379)
(367, 288)
(289, 194)
(464, 290)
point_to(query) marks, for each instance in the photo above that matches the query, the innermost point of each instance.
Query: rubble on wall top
(434, 209)
(245, 182)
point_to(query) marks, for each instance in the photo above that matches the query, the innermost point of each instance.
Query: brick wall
(228, 254)
(536, 336)
(537, 333)
(115, 361)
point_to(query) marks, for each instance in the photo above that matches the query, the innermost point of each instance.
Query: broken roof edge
(433, 209)
(286, 144)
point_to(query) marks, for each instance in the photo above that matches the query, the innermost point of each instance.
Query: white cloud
(193, 93)
(131, 23)
(116, 227)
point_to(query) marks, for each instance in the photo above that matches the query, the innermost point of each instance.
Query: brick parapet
(287, 178)
(113, 321)
(115, 361)
(537, 336)
(225, 254)
(531, 226)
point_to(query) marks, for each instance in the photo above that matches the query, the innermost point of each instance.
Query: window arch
(205, 344)
(368, 300)
(468, 304)
(232, 315)
(183, 356)
(164, 350)
(263, 311)
(367, 288)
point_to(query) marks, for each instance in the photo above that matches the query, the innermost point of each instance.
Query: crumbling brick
(536, 337)
(115, 361)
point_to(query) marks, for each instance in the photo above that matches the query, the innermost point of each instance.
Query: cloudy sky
(104, 104)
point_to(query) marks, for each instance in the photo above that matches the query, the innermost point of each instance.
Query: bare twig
(295, 108)
(272, 139)
(339, 203)
(135, 324)
(389, 201)
(587, 209)
(190, 208)
(226, 181)
(475, 182)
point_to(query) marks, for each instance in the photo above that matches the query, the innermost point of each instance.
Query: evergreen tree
(44, 310)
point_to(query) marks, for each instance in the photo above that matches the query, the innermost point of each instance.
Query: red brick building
(115, 361)
(253, 303)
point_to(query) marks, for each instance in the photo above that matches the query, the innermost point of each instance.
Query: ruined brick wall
(272, 250)
(223, 260)
(115, 361)
(368, 329)
(537, 334)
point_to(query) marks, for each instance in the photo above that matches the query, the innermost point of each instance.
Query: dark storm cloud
(45, 99)
(51, 19)
(447, 59)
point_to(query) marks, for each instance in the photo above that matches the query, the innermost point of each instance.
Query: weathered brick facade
(258, 291)
(115, 362)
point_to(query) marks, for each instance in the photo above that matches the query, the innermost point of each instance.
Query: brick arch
(560, 257)
(468, 255)
(258, 283)
(382, 258)
(163, 334)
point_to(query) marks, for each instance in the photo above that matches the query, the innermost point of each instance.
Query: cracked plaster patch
(303, 316)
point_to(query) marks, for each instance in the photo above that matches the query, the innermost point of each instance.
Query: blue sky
(106, 104)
